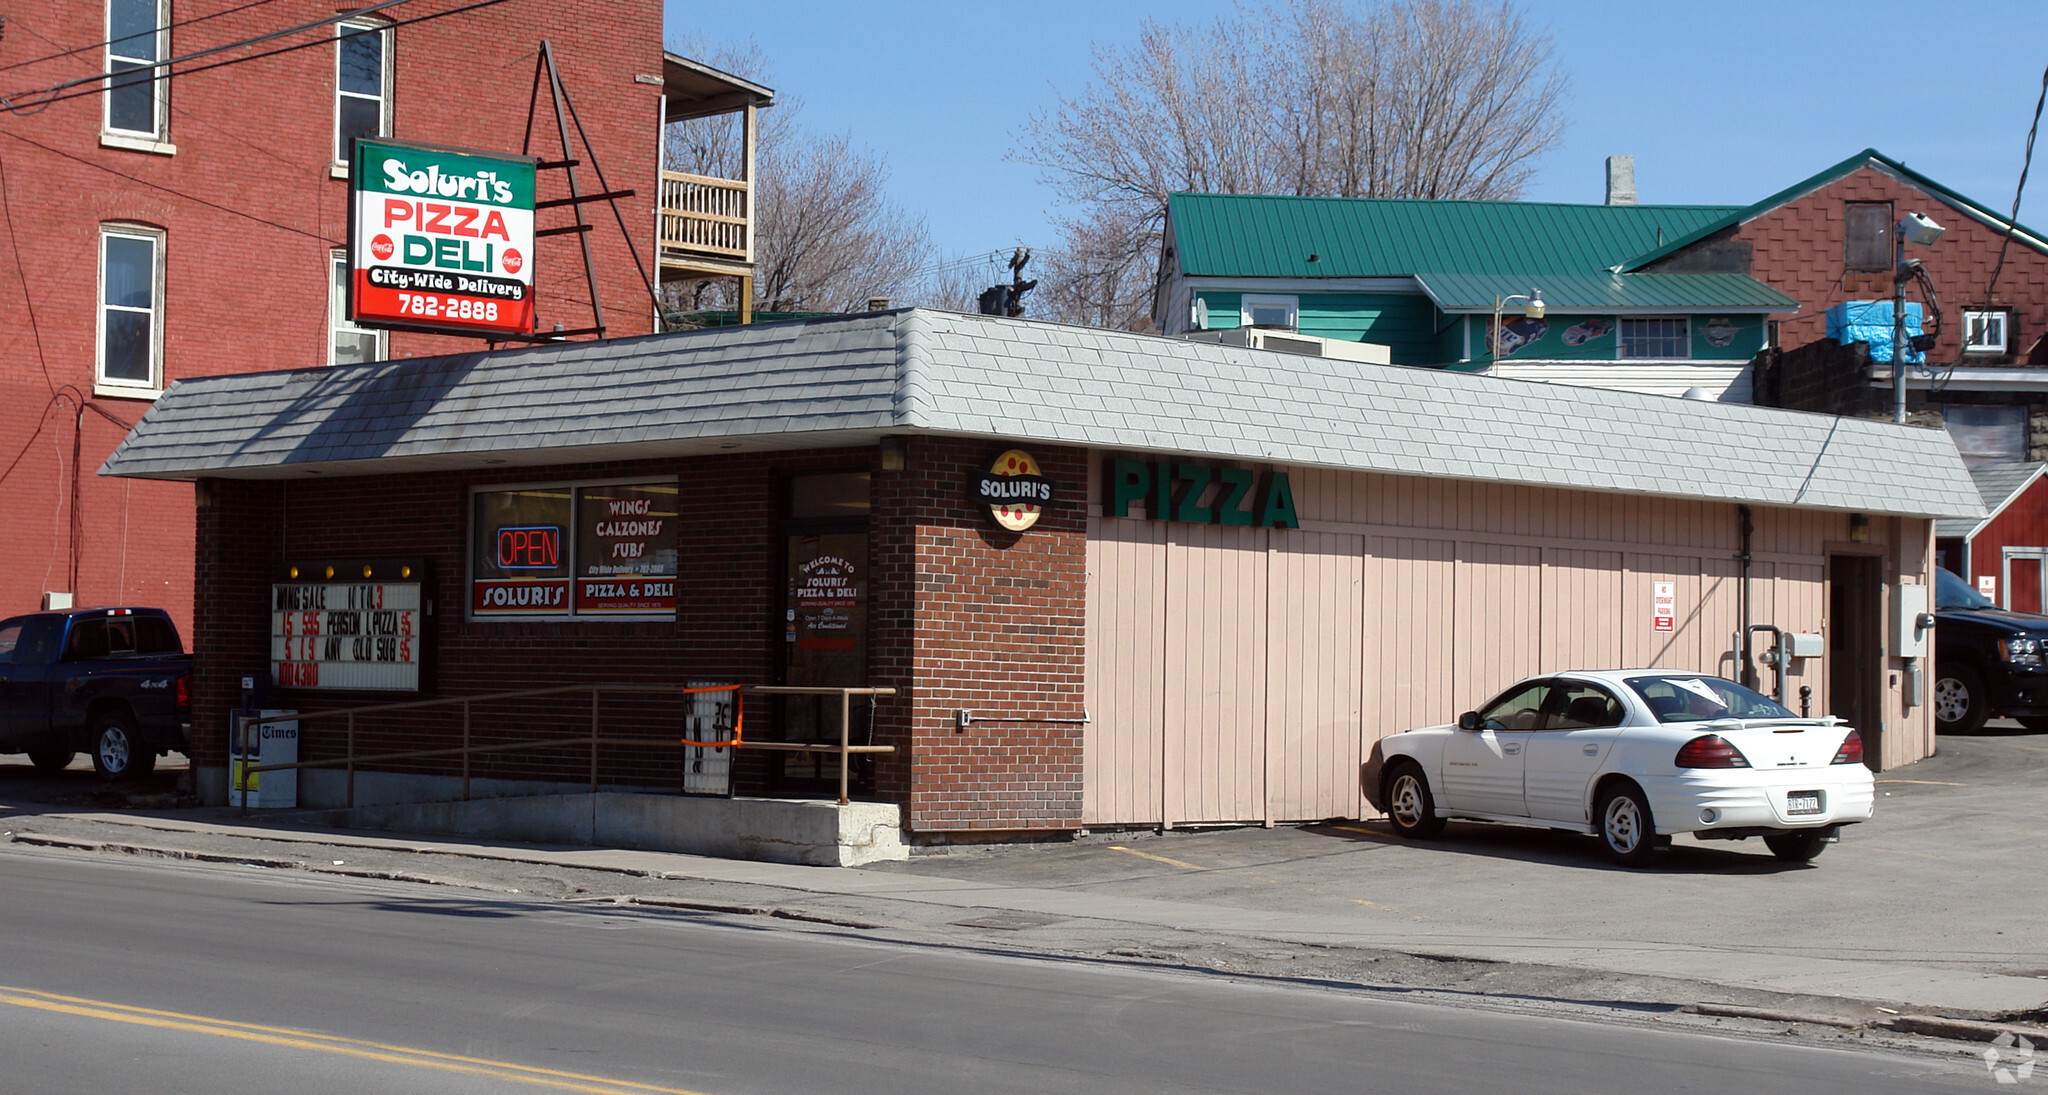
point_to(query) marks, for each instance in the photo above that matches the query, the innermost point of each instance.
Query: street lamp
(1920, 232)
(1533, 310)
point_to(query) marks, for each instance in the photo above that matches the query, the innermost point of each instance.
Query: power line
(393, 25)
(111, 41)
(101, 77)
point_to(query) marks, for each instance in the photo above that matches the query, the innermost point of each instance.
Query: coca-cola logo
(513, 260)
(383, 248)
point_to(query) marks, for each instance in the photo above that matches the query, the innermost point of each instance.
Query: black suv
(1988, 662)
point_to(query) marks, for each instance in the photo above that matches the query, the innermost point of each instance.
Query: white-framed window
(362, 84)
(1984, 330)
(138, 36)
(347, 344)
(1269, 310)
(131, 297)
(1655, 336)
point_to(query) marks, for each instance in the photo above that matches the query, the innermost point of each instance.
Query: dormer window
(1268, 310)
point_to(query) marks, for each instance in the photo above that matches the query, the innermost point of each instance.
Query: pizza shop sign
(1207, 494)
(440, 240)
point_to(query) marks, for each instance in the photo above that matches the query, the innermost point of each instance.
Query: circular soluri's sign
(1014, 490)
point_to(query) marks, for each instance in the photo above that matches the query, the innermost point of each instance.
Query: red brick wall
(250, 212)
(962, 615)
(997, 628)
(1797, 249)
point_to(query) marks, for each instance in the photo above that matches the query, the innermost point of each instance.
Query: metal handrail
(349, 758)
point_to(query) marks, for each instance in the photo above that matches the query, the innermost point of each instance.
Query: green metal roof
(1618, 293)
(1821, 178)
(1252, 235)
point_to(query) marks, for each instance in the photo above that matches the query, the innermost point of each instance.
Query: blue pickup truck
(112, 682)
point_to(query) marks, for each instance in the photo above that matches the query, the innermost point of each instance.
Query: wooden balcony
(706, 224)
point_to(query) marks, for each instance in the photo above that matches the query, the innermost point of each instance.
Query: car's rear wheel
(1960, 702)
(50, 760)
(1627, 831)
(1799, 846)
(1410, 807)
(117, 750)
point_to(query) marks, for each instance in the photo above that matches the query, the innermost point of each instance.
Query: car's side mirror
(1469, 721)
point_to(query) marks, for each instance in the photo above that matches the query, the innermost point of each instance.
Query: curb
(1961, 1030)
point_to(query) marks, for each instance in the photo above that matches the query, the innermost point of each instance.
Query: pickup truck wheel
(1960, 701)
(117, 750)
(50, 760)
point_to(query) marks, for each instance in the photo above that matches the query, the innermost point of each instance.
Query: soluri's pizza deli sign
(440, 240)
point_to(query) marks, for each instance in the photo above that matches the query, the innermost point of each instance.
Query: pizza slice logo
(1014, 490)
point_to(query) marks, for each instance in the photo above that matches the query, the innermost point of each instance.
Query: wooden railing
(705, 215)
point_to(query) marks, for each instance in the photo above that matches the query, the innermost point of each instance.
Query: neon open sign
(530, 547)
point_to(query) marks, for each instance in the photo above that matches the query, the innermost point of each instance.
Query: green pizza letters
(1173, 491)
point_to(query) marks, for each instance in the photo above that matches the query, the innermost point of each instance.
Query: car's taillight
(1710, 751)
(1851, 751)
(185, 690)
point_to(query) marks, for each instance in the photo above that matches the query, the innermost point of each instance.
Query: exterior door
(1579, 726)
(1482, 769)
(2022, 584)
(1855, 661)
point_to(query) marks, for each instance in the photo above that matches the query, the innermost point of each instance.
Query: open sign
(530, 547)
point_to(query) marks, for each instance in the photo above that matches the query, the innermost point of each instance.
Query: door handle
(1591, 750)
(1511, 750)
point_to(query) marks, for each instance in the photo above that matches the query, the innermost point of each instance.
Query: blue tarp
(1871, 321)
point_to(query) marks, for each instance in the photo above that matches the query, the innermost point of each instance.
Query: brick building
(1828, 239)
(1245, 569)
(188, 222)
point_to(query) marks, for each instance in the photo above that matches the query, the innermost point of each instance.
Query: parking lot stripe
(1925, 782)
(1155, 858)
(325, 1043)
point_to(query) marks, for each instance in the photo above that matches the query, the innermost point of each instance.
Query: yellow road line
(1353, 829)
(324, 1043)
(1925, 782)
(1155, 858)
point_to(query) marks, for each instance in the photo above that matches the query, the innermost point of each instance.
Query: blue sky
(1724, 107)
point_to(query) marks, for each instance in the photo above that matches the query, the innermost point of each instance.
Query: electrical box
(1805, 644)
(1911, 624)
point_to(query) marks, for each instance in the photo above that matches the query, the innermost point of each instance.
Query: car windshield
(1950, 591)
(1693, 698)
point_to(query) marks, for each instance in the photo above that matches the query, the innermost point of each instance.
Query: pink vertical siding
(1216, 647)
(1241, 675)
(1123, 744)
(1315, 603)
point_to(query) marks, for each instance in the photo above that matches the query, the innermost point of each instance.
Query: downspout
(1749, 679)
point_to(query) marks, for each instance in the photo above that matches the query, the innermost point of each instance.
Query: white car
(1632, 757)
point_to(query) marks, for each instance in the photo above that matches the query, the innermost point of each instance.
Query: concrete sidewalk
(1933, 907)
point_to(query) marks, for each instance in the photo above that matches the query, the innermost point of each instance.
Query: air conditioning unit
(1294, 342)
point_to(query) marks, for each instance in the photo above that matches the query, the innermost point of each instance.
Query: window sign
(626, 548)
(440, 240)
(593, 550)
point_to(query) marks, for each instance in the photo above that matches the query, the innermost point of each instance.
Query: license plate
(1802, 802)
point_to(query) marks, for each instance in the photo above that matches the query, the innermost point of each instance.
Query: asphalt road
(184, 978)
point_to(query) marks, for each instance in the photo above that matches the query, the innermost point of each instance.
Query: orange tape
(739, 717)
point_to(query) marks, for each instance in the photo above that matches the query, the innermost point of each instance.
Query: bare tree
(827, 237)
(1401, 99)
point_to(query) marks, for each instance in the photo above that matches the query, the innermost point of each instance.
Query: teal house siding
(1405, 323)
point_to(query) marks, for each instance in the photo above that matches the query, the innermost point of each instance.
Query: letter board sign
(440, 240)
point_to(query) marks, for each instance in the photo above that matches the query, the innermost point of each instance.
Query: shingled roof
(854, 379)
